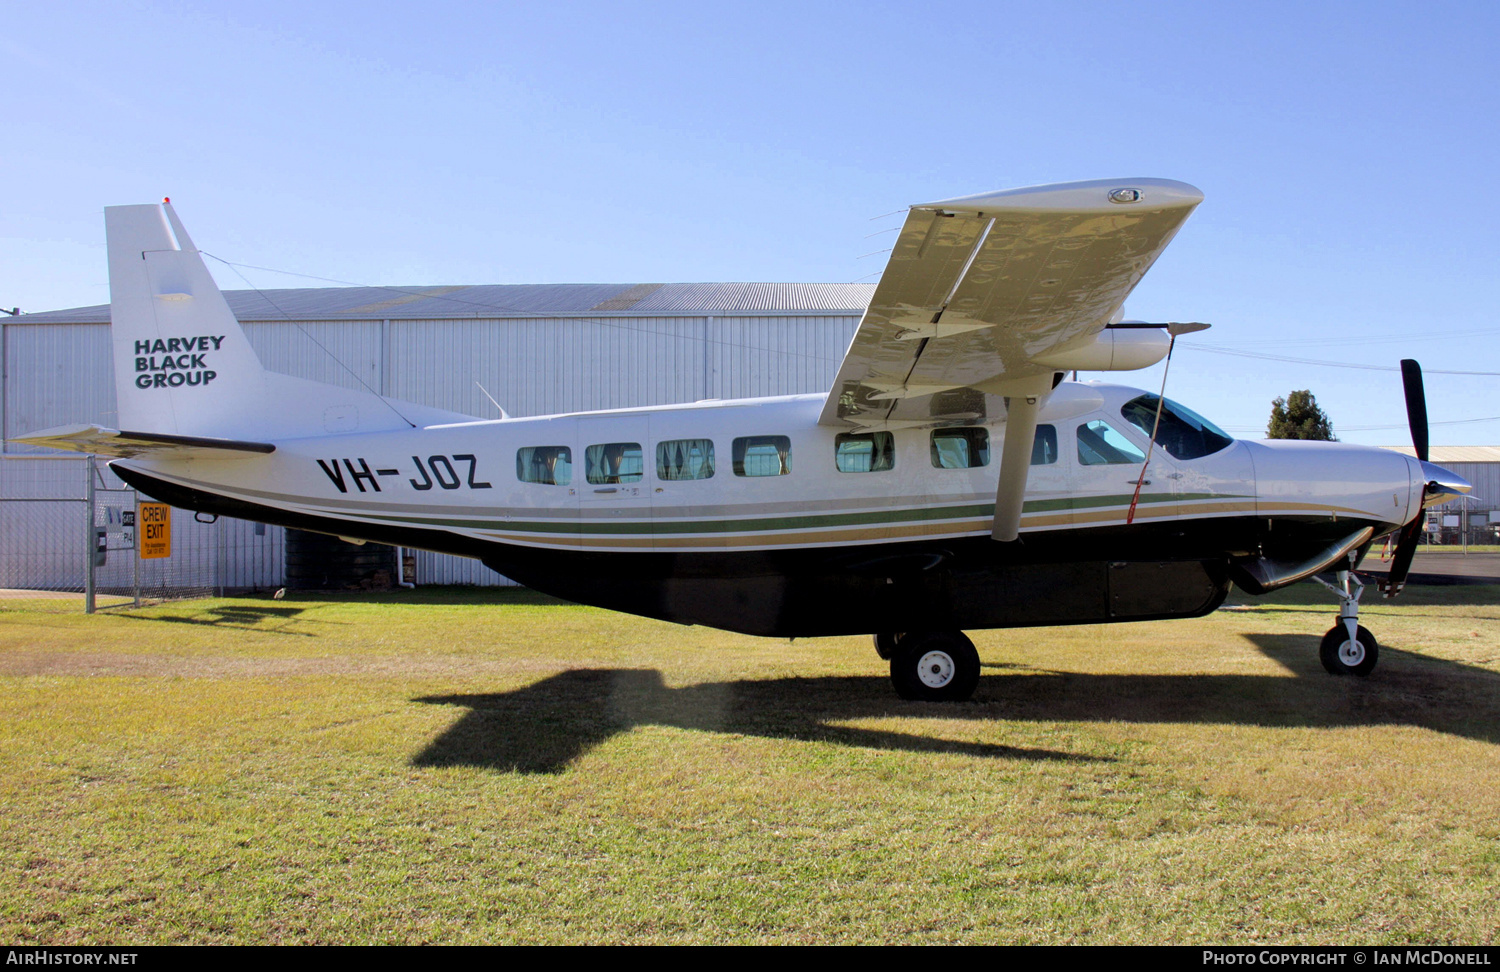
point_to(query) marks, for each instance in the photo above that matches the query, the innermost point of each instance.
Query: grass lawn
(457, 766)
(1473, 549)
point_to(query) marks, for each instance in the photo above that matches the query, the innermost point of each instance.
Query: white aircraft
(950, 479)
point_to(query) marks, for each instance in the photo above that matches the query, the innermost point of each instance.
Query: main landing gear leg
(931, 666)
(1348, 648)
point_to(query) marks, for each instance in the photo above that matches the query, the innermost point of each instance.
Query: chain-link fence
(69, 538)
(1459, 524)
(44, 530)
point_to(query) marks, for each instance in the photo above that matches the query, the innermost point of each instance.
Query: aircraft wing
(979, 289)
(113, 442)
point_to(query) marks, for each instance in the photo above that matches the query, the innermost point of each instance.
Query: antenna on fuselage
(503, 415)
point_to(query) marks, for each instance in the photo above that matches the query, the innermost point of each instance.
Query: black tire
(1339, 657)
(885, 644)
(935, 666)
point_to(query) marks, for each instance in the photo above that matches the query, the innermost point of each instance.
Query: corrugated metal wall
(1485, 477)
(57, 374)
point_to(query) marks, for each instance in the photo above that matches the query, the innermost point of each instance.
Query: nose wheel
(1343, 655)
(1348, 648)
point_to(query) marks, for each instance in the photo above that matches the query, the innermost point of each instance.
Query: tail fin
(182, 362)
(183, 365)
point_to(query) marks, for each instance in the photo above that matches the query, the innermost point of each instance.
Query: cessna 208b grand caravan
(951, 478)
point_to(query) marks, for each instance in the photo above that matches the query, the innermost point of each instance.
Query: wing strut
(1161, 400)
(1015, 464)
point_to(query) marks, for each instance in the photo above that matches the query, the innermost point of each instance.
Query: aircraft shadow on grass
(230, 616)
(544, 727)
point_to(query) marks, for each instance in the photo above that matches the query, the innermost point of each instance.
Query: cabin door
(614, 483)
(1107, 466)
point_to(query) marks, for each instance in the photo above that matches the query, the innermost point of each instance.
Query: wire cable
(509, 311)
(1210, 349)
(314, 340)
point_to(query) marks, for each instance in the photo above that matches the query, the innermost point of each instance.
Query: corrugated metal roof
(711, 298)
(509, 300)
(1442, 454)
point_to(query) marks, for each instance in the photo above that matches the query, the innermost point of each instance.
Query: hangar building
(538, 349)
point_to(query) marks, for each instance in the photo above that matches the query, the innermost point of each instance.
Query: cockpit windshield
(1183, 432)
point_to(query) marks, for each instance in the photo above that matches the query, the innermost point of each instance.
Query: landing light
(1124, 195)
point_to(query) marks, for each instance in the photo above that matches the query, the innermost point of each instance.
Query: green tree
(1297, 416)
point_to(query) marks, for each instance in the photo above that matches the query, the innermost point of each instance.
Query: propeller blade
(1406, 549)
(1416, 405)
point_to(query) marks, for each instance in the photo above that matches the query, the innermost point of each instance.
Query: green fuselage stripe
(808, 522)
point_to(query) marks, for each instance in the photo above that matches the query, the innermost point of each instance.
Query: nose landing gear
(1348, 648)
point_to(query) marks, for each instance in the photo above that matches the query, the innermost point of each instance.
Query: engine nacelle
(1113, 349)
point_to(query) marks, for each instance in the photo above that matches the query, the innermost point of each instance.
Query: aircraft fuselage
(749, 516)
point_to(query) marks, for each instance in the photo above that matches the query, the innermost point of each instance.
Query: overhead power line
(1360, 339)
(1327, 364)
(1372, 428)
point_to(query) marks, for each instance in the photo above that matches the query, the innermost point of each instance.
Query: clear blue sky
(1348, 153)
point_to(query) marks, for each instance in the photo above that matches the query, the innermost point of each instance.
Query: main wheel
(885, 644)
(1340, 656)
(935, 666)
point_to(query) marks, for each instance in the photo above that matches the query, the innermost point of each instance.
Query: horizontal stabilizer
(113, 442)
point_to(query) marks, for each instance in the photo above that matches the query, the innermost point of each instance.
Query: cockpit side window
(1101, 444)
(1183, 432)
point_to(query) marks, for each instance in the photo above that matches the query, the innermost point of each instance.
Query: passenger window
(548, 465)
(1100, 444)
(857, 452)
(1044, 449)
(614, 462)
(682, 459)
(763, 455)
(960, 448)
